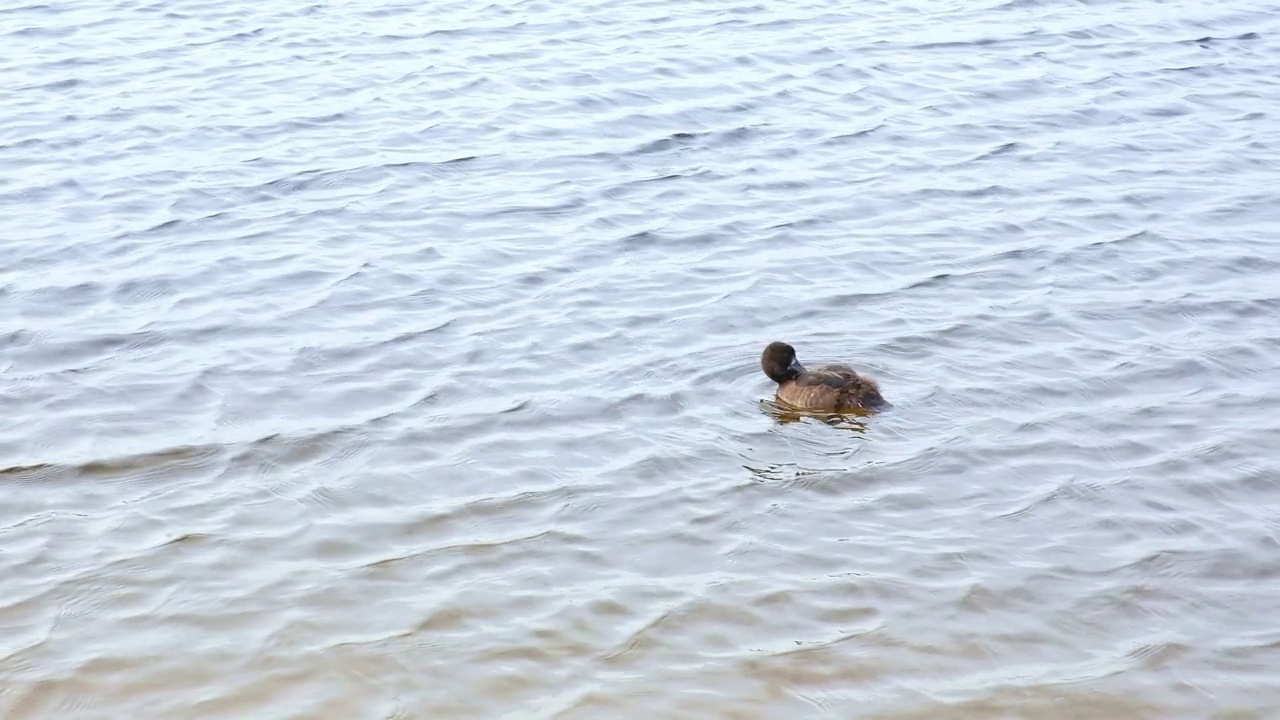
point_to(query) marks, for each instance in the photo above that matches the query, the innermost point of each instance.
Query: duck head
(779, 362)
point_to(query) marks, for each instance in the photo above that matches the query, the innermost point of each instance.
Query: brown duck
(828, 388)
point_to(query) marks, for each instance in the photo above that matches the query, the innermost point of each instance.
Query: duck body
(826, 388)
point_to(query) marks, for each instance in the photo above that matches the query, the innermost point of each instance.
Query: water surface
(398, 360)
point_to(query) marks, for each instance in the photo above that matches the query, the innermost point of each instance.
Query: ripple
(331, 360)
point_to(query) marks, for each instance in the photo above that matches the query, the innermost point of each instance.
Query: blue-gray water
(399, 360)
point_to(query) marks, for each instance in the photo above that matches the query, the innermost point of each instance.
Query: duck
(827, 388)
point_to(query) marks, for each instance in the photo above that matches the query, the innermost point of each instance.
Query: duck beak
(795, 366)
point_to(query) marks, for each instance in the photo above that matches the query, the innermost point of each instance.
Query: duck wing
(837, 376)
(841, 386)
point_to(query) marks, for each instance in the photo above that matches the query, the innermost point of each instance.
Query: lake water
(400, 360)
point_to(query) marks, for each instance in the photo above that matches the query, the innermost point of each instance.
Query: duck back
(831, 388)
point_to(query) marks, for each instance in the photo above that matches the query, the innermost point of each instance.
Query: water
(401, 360)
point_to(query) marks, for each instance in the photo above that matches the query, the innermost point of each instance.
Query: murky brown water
(391, 361)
